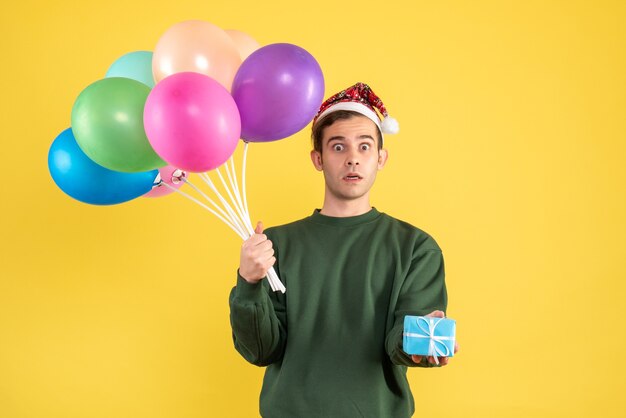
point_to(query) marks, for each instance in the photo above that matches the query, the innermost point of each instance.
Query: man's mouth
(352, 177)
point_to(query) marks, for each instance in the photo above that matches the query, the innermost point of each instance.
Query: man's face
(350, 158)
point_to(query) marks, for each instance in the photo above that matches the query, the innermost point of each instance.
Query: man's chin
(350, 195)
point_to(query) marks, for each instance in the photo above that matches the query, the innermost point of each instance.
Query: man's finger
(436, 314)
(259, 227)
(265, 256)
(416, 359)
(264, 245)
(255, 240)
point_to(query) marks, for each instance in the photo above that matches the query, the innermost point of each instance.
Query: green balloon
(107, 122)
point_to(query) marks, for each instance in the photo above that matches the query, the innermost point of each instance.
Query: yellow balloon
(198, 46)
(245, 43)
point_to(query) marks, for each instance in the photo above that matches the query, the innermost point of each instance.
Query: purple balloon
(278, 90)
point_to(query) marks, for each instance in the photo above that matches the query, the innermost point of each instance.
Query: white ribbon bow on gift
(433, 349)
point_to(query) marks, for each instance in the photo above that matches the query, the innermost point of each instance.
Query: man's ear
(316, 158)
(382, 158)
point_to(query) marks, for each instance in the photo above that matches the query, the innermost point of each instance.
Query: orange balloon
(198, 46)
(245, 43)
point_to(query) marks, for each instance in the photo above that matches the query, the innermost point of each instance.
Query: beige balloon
(197, 46)
(246, 44)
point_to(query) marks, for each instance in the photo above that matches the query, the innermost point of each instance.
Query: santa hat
(362, 99)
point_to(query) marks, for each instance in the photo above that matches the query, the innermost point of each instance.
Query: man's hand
(442, 360)
(257, 256)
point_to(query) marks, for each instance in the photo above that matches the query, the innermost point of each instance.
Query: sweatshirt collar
(366, 217)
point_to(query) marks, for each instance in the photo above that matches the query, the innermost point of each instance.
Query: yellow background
(511, 154)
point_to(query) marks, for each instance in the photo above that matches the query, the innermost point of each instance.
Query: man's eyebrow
(336, 138)
(342, 138)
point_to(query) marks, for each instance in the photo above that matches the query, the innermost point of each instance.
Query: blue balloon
(88, 182)
(136, 65)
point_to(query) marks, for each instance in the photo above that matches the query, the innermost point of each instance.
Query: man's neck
(345, 208)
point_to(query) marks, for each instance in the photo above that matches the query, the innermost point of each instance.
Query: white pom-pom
(390, 126)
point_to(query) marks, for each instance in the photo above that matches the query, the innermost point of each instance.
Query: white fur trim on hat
(354, 106)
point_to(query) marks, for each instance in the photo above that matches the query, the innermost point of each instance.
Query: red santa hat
(362, 99)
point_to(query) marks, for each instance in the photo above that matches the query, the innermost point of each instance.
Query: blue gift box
(426, 336)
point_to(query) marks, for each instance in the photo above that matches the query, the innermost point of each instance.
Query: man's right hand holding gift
(442, 360)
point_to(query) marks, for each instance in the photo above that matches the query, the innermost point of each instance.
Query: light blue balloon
(88, 182)
(135, 65)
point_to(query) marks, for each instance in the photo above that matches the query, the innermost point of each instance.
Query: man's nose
(352, 160)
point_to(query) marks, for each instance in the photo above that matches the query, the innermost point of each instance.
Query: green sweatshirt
(333, 341)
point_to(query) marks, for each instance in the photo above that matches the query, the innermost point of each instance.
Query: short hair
(318, 129)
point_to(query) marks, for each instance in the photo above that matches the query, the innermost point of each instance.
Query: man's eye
(365, 147)
(338, 147)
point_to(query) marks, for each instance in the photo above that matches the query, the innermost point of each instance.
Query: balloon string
(215, 205)
(275, 283)
(238, 219)
(233, 220)
(243, 177)
(229, 209)
(233, 184)
(233, 201)
(272, 277)
(238, 232)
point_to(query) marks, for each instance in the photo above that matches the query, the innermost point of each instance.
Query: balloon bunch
(183, 108)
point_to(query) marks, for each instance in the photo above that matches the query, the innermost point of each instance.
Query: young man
(332, 343)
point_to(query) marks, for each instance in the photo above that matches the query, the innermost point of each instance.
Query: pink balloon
(192, 122)
(170, 175)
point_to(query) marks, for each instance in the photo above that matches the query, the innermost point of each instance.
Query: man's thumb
(259, 228)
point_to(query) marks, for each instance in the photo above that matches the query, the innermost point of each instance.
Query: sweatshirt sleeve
(258, 320)
(423, 291)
